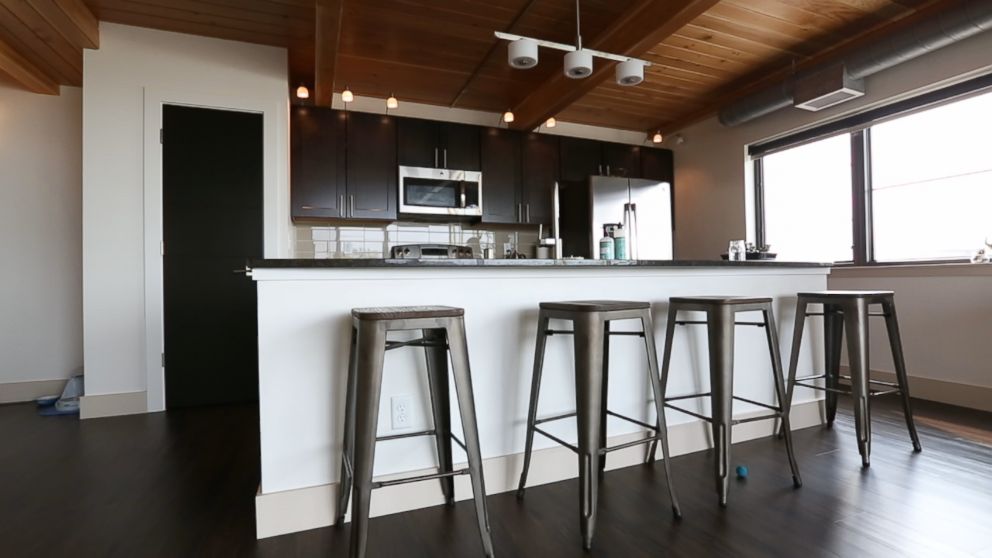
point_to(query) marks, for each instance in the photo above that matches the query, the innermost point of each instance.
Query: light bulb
(551, 123)
(347, 96)
(657, 138)
(392, 103)
(508, 117)
(302, 92)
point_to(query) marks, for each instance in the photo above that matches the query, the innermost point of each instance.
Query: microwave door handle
(435, 157)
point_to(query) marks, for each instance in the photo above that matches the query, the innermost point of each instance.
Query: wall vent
(826, 88)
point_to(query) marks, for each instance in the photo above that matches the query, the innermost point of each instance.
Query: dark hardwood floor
(182, 484)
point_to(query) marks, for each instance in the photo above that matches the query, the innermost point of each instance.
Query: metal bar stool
(443, 330)
(721, 312)
(591, 331)
(850, 310)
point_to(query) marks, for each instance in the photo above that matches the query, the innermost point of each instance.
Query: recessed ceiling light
(302, 92)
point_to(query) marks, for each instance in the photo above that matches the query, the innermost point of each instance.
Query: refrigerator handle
(630, 211)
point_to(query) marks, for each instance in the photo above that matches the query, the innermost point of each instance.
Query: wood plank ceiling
(443, 52)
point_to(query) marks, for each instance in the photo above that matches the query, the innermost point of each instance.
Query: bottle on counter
(619, 244)
(606, 246)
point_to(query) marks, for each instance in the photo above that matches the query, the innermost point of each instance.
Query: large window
(907, 182)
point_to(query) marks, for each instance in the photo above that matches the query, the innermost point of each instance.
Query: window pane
(932, 182)
(808, 213)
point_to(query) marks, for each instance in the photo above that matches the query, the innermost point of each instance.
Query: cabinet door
(580, 159)
(657, 164)
(372, 172)
(460, 147)
(539, 171)
(500, 176)
(418, 144)
(621, 160)
(317, 163)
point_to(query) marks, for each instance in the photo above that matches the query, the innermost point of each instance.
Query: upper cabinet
(539, 165)
(580, 158)
(427, 143)
(317, 163)
(621, 160)
(657, 164)
(501, 177)
(371, 168)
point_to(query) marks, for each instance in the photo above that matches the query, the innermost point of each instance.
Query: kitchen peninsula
(303, 329)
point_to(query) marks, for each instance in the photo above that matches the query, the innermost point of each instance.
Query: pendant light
(391, 102)
(347, 96)
(508, 116)
(657, 138)
(302, 92)
(551, 123)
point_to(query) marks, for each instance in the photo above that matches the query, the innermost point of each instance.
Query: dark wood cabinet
(500, 151)
(623, 160)
(371, 167)
(539, 171)
(431, 144)
(580, 158)
(317, 163)
(657, 164)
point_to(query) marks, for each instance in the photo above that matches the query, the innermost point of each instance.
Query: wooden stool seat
(406, 312)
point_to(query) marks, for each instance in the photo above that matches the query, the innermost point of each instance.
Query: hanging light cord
(578, 28)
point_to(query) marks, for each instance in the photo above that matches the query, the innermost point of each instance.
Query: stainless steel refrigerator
(643, 206)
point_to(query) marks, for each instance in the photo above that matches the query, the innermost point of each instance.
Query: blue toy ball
(742, 471)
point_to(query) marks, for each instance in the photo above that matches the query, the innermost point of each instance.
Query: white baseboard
(19, 392)
(942, 391)
(280, 513)
(113, 404)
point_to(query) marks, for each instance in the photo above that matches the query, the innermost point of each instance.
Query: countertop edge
(514, 264)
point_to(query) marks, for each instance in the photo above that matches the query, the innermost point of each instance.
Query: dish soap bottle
(619, 243)
(606, 246)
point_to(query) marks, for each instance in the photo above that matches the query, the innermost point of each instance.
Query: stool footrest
(406, 435)
(688, 412)
(555, 417)
(777, 414)
(651, 427)
(630, 444)
(895, 387)
(611, 333)
(390, 345)
(692, 396)
(759, 404)
(755, 419)
(394, 482)
(557, 439)
(704, 322)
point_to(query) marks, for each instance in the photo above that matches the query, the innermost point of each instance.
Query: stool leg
(348, 449)
(856, 324)
(535, 392)
(589, 329)
(771, 333)
(647, 325)
(371, 352)
(437, 375)
(720, 330)
(605, 390)
(666, 361)
(833, 340)
(466, 406)
(895, 341)
(797, 343)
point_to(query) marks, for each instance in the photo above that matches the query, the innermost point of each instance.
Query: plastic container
(606, 248)
(619, 244)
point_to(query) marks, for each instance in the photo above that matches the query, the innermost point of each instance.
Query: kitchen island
(304, 323)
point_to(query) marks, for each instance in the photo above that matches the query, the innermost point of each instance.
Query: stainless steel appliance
(440, 192)
(430, 252)
(644, 207)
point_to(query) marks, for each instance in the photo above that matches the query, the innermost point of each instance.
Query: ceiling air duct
(815, 87)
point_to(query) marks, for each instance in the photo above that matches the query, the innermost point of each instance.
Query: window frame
(858, 128)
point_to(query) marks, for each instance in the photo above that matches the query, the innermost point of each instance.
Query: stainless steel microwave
(443, 192)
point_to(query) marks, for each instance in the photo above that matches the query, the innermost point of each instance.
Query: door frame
(277, 229)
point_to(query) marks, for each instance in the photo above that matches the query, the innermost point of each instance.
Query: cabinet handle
(435, 157)
(445, 157)
(520, 212)
(341, 205)
(351, 202)
(608, 170)
(600, 169)
(528, 212)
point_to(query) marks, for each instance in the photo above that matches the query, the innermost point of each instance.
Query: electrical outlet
(402, 411)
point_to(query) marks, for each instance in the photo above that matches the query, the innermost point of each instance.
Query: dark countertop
(517, 264)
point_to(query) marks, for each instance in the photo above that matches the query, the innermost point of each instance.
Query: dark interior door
(212, 222)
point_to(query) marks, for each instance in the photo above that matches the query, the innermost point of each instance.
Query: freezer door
(609, 196)
(653, 203)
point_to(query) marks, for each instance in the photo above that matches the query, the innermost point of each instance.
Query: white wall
(40, 248)
(124, 84)
(710, 171)
(943, 311)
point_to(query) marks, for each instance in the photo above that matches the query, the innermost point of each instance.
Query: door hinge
(161, 248)
(161, 136)
(163, 360)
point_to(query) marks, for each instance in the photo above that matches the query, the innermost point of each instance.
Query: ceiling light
(302, 92)
(347, 96)
(522, 54)
(508, 117)
(392, 103)
(657, 138)
(578, 64)
(630, 72)
(551, 123)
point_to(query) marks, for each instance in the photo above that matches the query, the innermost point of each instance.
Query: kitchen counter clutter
(511, 263)
(304, 328)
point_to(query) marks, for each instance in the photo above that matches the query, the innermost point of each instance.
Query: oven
(441, 192)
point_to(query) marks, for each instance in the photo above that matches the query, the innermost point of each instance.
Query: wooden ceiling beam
(634, 33)
(326, 40)
(24, 72)
(72, 19)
